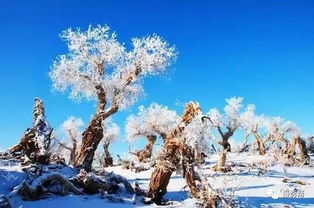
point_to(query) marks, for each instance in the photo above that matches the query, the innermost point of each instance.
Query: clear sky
(262, 50)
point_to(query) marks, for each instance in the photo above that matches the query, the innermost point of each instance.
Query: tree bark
(260, 144)
(94, 133)
(91, 138)
(146, 153)
(73, 150)
(170, 157)
(302, 146)
(107, 159)
(226, 147)
(222, 160)
(160, 177)
(188, 170)
(35, 142)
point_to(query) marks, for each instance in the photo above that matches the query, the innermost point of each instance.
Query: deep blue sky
(261, 50)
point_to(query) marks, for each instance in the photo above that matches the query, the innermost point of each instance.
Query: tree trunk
(188, 170)
(224, 143)
(146, 153)
(261, 147)
(73, 150)
(260, 144)
(169, 158)
(166, 164)
(302, 146)
(222, 160)
(107, 159)
(200, 157)
(73, 155)
(91, 138)
(226, 147)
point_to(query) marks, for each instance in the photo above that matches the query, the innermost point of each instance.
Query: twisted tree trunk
(226, 147)
(260, 144)
(170, 157)
(91, 138)
(107, 159)
(166, 164)
(222, 160)
(94, 133)
(146, 153)
(303, 149)
(73, 150)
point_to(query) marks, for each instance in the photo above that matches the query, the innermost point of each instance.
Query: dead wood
(46, 184)
(145, 154)
(291, 151)
(107, 159)
(260, 143)
(174, 152)
(93, 184)
(170, 156)
(36, 141)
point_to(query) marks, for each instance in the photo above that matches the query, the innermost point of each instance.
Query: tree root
(45, 184)
(42, 184)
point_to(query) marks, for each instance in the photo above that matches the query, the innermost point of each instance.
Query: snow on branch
(72, 127)
(280, 128)
(111, 131)
(98, 66)
(155, 120)
(231, 117)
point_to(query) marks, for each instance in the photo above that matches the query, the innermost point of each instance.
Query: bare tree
(98, 67)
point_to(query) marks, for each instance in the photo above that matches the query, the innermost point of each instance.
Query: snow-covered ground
(249, 187)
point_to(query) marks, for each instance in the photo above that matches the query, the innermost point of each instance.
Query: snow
(248, 187)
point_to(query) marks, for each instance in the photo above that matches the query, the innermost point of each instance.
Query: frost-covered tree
(111, 133)
(179, 151)
(225, 124)
(281, 131)
(97, 66)
(256, 125)
(286, 135)
(72, 130)
(151, 122)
